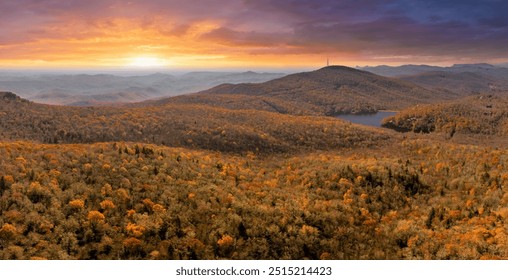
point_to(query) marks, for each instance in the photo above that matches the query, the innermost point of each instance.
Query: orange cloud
(244, 33)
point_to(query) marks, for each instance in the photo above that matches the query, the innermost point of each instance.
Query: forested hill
(327, 91)
(473, 115)
(178, 125)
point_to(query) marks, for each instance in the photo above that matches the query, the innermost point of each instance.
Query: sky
(249, 34)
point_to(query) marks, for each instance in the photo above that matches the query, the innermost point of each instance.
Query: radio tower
(327, 62)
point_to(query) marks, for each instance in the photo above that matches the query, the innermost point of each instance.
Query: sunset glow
(234, 33)
(147, 61)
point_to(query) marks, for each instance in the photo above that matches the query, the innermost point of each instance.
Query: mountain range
(100, 89)
(463, 79)
(327, 91)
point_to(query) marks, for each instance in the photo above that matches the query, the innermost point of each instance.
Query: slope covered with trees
(243, 102)
(419, 200)
(194, 126)
(327, 91)
(479, 114)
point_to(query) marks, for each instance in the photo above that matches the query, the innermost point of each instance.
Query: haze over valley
(101, 89)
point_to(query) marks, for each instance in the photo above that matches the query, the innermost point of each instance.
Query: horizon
(145, 71)
(234, 34)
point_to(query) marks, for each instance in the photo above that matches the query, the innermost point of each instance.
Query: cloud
(231, 37)
(448, 29)
(366, 29)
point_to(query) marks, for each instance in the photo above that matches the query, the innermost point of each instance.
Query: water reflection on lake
(367, 119)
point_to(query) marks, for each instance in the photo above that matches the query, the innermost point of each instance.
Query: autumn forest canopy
(264, 171)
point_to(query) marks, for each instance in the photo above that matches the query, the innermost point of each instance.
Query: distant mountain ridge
(327, 91)
(97, 89)
(411, 69)
(397, 71)
(465, 83)
(462, 79)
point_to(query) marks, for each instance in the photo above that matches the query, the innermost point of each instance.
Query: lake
(367, 119)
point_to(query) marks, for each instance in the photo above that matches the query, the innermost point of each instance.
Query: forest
(253, 176)
(138, 201)
(477, 114)
(193, 126)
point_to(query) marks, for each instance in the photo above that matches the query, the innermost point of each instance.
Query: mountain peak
(342, 69)
(338, 67)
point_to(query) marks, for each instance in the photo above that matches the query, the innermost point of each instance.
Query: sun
(147, 62)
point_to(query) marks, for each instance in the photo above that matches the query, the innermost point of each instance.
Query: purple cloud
(366, 29)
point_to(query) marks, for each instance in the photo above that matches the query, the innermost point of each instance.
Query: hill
(479, 114)
(194, 126)
(327, 91)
